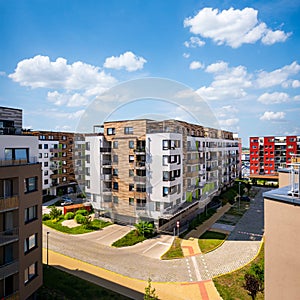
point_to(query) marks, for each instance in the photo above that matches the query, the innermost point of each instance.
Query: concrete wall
(282, 244)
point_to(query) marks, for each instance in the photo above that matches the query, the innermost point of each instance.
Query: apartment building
(268, 153)
(56, 157)
(161, 171)
(10, 120)
(282, 211)
(20, 217)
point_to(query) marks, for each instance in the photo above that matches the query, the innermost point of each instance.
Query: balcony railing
(105, 150)
(9, 268)
(141, 179)
(17, 162)
(9, 202)
(9, 236)
(106, 177)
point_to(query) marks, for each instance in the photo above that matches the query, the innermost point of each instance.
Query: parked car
(66, 201)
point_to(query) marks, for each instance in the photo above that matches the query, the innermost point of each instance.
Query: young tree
(55, 213)
(251, 285)
(149, 292)
(144, 228)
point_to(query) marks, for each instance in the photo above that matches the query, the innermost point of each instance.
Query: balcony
(10, 202)
(18, 162)
(106, 163)
(9, 236)
(106, 191)
(55, 150)
(106, 177)
(140, 179)
(139, 150)
(105, 150)
(9, 268)
(140, 164)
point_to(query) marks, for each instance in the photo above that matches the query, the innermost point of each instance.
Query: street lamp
(47, 249)
(239, 195)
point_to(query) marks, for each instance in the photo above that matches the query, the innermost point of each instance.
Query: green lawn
(175, 250)
(130, 239)
(211, 240)
(61, 285)
(230, 286)
(57, 225)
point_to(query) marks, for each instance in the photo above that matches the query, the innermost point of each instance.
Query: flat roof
(281, 195)
(273, 177)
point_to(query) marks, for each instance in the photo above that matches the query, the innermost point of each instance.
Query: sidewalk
(196, 233)
(203, 290)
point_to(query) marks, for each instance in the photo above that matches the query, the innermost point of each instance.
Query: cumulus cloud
(229, 122)
(186, 55)
(194, 65)
(228, 82)
(194, 42)
(40, 72)
(277, 77)
(296, 84)
(271, 116)
(70, 100)
(233, 27)
(128, 61)
(273, 98)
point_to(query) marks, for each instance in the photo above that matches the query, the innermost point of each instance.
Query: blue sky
(241, 57)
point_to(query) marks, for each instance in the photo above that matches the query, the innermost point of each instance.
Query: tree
(144, 228)
(149, 292)
(251, 285)
(55, 213)
(257, 270)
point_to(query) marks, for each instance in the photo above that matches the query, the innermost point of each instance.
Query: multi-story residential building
(267, 154)
(56, 156)
(162, 171)
(10, 120)
(20, 217)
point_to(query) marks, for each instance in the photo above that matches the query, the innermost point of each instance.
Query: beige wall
(282, 244)
(284, 178)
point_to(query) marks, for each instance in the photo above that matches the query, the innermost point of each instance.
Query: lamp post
(47, 249)
(239, 195)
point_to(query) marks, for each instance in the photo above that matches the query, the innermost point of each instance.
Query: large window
(16, 154)
(30, 272)
(131, 144)
(30, 214)
(111, 131)
(30, 184)
(30, 243)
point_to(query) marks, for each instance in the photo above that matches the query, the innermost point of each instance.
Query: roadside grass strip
(210, 240)
(174, 251)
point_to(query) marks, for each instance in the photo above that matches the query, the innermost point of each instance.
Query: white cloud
(273, 98)
(186, 55)
(228, 82)
(40, 72)
(297, 98)
(277, 77)
(270, 115)
(71, 100)
(233, 27)
(296, 84)
(194, 65)
(229, 122)
(194, 42)
(128, 61)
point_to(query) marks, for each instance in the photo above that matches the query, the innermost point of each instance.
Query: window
(128, 130)
(64, 179)
(45, 146)
(115, 144)
(46, 164)
(115, 199)
(42, 137)
(45, 155)
(87, 146)
(111, 131)
(166, 176)
(46, 181)
(131, 201)
(165, 160)
(116, 186)
(165, 191)
(131, 187)
(115, 158)
(88, 184)
(115, 172)
(16, 154)
(50, 137)
(40, 146)
(30, 272)
(131, 158)
(131, 144)
(40, 155)
(64, 137)
(46, 172)
(131, 172)
(64, 146)
(30, 184)
(30, 214)
(157, 206)
(30, 243)
(88, 158)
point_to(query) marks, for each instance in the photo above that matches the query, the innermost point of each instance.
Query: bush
(46, 217)
(55, 213)
(80, 219)
(69, 216)
(82, 212)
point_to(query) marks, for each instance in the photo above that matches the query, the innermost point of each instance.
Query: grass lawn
(211, 240)
(95, 225)
(130, 239)
(61, 285)
(175, 250)
(230, 286)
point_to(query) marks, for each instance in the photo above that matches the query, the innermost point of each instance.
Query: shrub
(69, 216)
(46, 217)
(82, 212)
(55, 213)
(80, 219)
